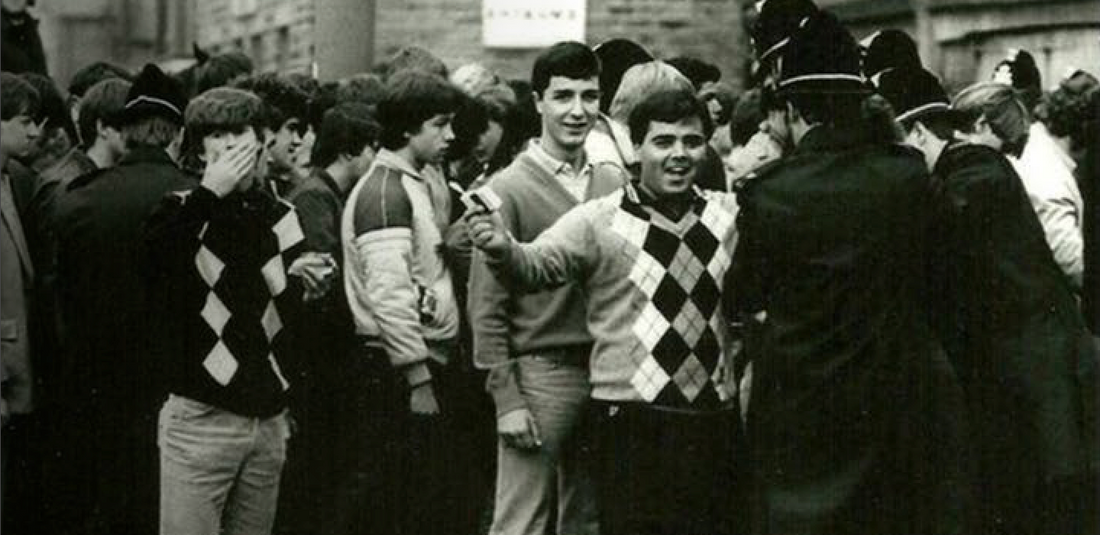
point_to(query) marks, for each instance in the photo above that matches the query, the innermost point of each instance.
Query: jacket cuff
(418, 374)
(503, 387)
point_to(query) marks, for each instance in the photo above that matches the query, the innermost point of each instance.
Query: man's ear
(792, 112)
(538, 101)
(100, 129)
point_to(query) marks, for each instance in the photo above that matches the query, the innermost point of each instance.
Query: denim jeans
(219, 471)
(527, 481)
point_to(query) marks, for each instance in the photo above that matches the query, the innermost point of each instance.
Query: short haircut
(54, 108)
(282, 99)
(1002, 109)
(746, 117)
(345, 129)
(667, 106)
(150, 131)
(568, 59)
(722, 93)
(414, 58)
(363, 88)
(473, 78)
(221, 70)
(616, 56)
(696, 70)
(322, 101)
(97, 72)
(870, 113)
(470, 121)
(412, 97)
(223, 109)
(1066, 112)
(643, 80)
(497, 100)
(103, 102)
(941, 124)
(17, 97)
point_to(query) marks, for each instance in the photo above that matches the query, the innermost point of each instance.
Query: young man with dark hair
(702, 74)
(100, 128)
(854, 408)
(218, 262)
(324, 467)
(286, 109)
(87, 77)
(536, 346)
(18, 133)
(653, 260)
(1009, 322)
(105, 434)
(401, 296)
(102, 149)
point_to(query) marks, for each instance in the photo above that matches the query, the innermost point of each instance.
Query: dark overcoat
(856, 419)
(1014, 331)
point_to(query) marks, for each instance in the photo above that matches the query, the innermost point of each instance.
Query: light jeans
(527, 480)
(219, 471)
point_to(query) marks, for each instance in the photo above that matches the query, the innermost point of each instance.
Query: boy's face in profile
(429, 144)
(283, 144)
(217, 143)
(19, 135)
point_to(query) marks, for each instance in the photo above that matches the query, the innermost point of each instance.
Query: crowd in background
(840, 300)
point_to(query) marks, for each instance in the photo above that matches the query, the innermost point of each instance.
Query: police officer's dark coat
(855, 418)
(1019, 344)
(107, 390)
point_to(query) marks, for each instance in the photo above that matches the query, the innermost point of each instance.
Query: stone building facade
(963, 40)
(287, 34)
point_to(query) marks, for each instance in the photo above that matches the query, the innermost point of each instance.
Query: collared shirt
(575, 181)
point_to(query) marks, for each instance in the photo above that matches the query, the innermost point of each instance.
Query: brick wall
(708, 29)
(276, 34)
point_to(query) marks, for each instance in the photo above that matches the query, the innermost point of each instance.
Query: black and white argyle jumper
(681, 268)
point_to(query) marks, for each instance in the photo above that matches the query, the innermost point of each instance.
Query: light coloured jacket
(398, 287)
(1047, 174)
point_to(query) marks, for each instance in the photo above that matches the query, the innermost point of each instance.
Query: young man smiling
(536, 346)
(403, 304)
(652, 260)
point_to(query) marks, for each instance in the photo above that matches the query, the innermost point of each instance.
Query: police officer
(105, 454)
(1010, 324)
(842, 433)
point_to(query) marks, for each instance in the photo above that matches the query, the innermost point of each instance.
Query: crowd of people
(619, 297)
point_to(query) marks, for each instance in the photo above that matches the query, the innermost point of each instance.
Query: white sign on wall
(531, 23)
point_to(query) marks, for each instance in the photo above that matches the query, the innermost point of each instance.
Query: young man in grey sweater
(536, 346)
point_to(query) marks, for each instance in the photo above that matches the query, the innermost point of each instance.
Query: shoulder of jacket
(87, 178)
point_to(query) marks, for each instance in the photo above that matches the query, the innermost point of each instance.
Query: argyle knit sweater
(219, 274)
(652, 288)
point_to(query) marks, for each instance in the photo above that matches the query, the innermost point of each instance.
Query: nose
(679, 150)
(763, 126)
(448, 133)
(576, 109)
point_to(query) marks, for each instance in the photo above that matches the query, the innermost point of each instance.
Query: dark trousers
(377, 468)
(19, 476)
(669, 473)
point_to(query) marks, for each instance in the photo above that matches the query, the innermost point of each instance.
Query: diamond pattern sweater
(220, 269)
(653, 290)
